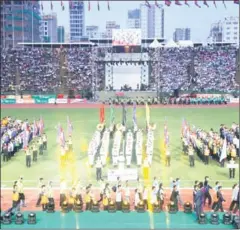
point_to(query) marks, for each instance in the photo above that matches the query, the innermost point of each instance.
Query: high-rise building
(77, 20)
(133, 21)
(216, 34)
(49, 28)
(61, 34)
(20, 22)
(110, 25)
(226, 30)
(92, 31)
(152, 21)
(230, 30)
(182, 34)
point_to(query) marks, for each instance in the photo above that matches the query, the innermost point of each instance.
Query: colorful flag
(62, 137)
(112, 117)
(183, 127)
(35, 128)
(51, 5)
(196, 3)
(124, 115)
(41, 125)
(25, 135)
(102, 114)
(205, 3)
(70, 127)
(147, 4)
(134, 113)
(108, 5)
(186, 2)
(167, 2)
(224, 151)
(177, 3)
(98, 5)
(147, 114)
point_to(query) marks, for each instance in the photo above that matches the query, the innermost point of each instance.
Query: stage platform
(118, 220)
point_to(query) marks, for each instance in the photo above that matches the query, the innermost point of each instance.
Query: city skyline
(199, 20)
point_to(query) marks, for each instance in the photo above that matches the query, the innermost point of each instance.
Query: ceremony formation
(116, 116)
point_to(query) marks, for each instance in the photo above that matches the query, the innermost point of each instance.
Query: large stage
(118, 220)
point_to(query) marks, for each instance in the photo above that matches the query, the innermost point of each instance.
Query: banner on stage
(124, 174)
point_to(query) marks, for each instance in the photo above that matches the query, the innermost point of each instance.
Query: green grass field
(84, 123)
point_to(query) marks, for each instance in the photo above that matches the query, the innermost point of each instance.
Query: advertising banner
(75, 101)
(61, 101)
(8, 101)
(41, 100)
(234, 100)
(124, 174)
(43, 96)
(27, 96)
(11, 96)
(25, 101)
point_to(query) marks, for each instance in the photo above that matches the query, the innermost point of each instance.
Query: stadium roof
(41, 44)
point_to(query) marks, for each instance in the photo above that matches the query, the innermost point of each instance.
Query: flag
(134, 113)
(98, 6)
(62, 137)
(124, 115)
(214, 2)
(35, 128)
(41, 126)
(205, 3)
(224, 151)
(147, 114)
(58, 132)
(177, 3)
(186, 2)
(108, 5)
(89, 6)
(224, 4)
(42, 6)
(156, 4)
(147, 4)
(196, 3)
(70, 4)
(62, 6)
(70, 127)
(51, 5)
(112, 117)
(25, 135)
(167, 2)
(102, 114)
(183, 127)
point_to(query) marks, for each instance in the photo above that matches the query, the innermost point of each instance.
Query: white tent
(155, 44)
(171, 44)
(187, 43)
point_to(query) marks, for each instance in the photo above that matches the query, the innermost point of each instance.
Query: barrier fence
(52, 99)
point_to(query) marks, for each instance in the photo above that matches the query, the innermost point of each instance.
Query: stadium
(124, 132)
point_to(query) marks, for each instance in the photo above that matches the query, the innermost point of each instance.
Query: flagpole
(13, 30)
(22, 23)
(32, 25)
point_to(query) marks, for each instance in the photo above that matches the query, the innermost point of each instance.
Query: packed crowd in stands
(38, 69)
(214, 68)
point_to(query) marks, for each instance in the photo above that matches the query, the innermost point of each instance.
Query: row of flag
(37, 129)
(60, 132)
(186, 2)
(147, 3)
(186, 129)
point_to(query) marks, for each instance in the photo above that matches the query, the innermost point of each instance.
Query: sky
(199, 20)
